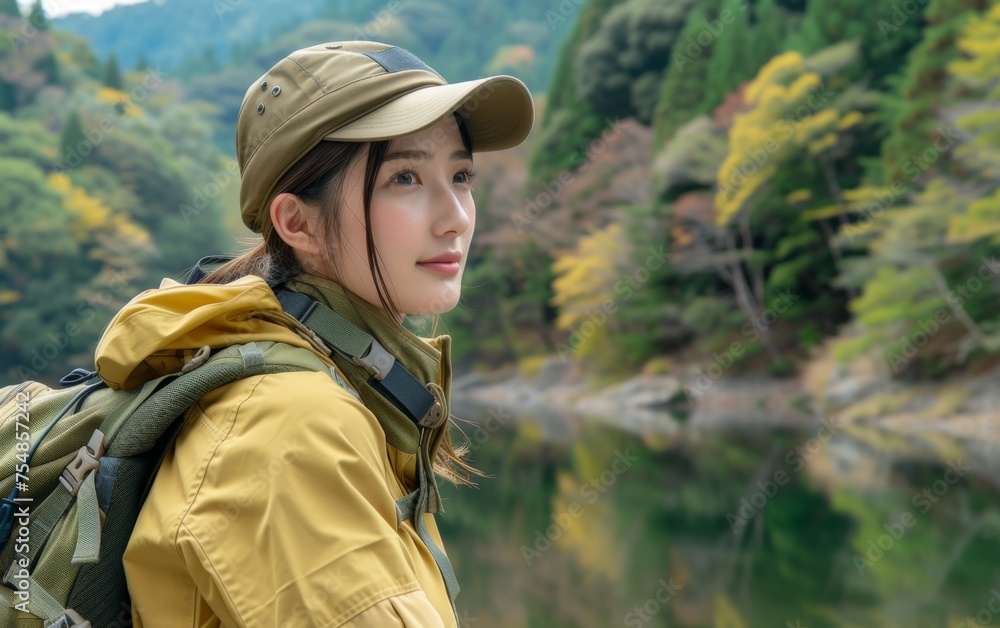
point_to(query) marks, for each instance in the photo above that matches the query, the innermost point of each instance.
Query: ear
(297, 223)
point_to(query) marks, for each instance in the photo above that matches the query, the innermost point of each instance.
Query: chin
(444, 301)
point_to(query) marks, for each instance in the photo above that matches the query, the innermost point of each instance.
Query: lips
(444, 258)
(445, 264)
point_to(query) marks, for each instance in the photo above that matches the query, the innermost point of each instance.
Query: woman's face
(422, 220)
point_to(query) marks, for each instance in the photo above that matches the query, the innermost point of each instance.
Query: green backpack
(77, 463)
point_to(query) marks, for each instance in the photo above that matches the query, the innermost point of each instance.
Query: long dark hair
(318, 179)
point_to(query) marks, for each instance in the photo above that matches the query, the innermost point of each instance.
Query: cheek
(394, 225)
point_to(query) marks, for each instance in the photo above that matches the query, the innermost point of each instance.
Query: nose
(454, 211)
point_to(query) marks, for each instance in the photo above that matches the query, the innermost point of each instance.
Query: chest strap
(387, 376)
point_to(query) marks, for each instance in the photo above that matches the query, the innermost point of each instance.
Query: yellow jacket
(276, 506)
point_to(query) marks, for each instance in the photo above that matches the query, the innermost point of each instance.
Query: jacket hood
(159, 330)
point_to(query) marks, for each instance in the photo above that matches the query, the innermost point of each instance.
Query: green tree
(570, 122)
(682, 90)
(923, 88)
(112, 75)
(73, 135)
(37, 17)
(9, 7)
(620, 66)
(730, 63)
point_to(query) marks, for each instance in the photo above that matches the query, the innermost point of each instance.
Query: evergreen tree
(922, 89)
(73, 135)
(683, 88)
(8, 96)
(142, 63)
(569, 122)
(37, 17)
(730, 64)
(210, 63)
(770, 27)
(112, 75)
(620, 67)
(885, 31)
(9, 7)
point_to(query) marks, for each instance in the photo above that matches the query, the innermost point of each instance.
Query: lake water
(830, 525)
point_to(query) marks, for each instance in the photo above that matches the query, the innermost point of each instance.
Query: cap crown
(304, 97)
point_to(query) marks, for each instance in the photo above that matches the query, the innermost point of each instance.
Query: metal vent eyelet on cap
(260, 109)
(275, 90)
(263, 86)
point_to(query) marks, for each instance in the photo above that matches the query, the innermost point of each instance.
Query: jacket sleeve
(294, 524)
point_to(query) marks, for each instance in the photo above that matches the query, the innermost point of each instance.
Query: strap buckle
(433, 418)
(87, 459)
(70, 619)
(377, 361)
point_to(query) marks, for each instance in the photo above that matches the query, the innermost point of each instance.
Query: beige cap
(360, 91)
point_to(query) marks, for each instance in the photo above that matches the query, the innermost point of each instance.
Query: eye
(404, 178)
(465, 177)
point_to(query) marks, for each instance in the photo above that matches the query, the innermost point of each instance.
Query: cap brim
(498, 111)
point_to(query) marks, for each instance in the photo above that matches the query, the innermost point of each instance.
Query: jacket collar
(429, 360)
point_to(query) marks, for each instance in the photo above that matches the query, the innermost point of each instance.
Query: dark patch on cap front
(396, 59)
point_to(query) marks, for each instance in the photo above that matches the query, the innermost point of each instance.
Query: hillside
(109, 184)
(720, 187)
(215, 49)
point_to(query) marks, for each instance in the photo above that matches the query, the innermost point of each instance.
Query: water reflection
(585, 525)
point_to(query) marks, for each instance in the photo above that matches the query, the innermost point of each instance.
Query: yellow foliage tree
(584, 283)
(585, 277)
(980, 41)
(980, 69)
(115, 235)
(121, 101)
(787, 117)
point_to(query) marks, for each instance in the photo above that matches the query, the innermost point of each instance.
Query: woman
(306, 498)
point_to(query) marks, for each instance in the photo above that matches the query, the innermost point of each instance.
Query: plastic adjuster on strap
(433, 418)
(87, 459)
(377, 361)
(70, 619)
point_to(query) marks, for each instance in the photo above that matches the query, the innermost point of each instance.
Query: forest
(777, 194)
(714, 186)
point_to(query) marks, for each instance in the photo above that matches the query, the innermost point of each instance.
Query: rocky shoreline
(967, 409)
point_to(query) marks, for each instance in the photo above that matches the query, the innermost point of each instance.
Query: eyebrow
(422, 154)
